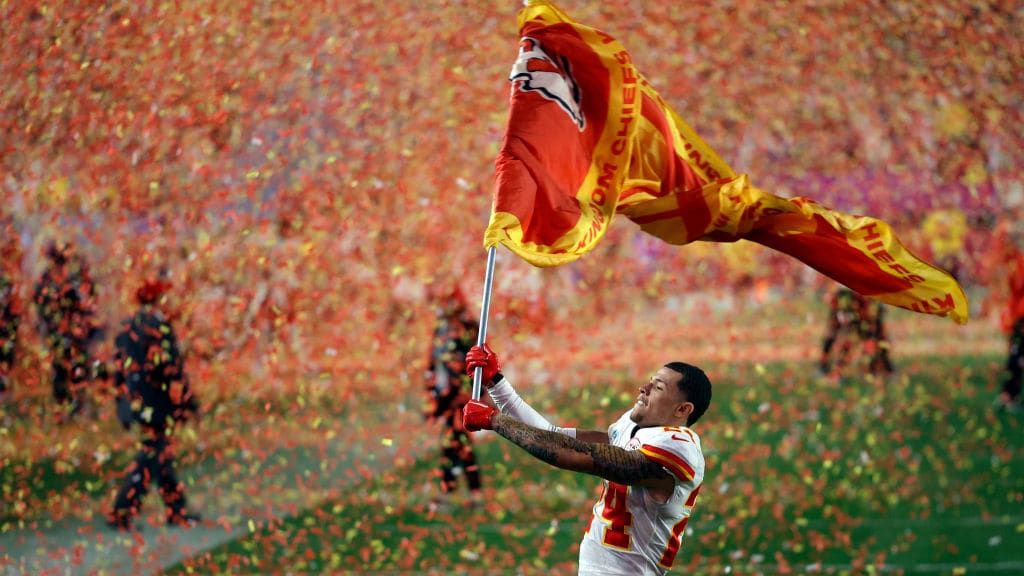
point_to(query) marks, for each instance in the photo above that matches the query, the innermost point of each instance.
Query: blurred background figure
(854, 321)
(1007, 261)
(64, 300)
(448, 390)
(10, 316)
(946, 230)
(152, 390)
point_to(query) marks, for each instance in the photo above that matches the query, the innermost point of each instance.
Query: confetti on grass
(295, 169)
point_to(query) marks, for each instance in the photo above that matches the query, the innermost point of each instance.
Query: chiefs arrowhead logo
(535, 71)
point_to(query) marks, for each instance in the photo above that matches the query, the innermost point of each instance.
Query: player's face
(659, 400)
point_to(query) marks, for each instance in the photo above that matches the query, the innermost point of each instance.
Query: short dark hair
(695, 386)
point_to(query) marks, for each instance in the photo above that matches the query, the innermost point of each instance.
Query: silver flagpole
(485, 310)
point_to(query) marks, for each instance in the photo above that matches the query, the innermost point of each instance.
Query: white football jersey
(631, 532)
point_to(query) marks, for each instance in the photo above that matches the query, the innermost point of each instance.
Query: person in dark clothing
(853, 317)
(447, 389)
(1006, 263)
(64, 300)
(153, 391)
(9, 319)
(1013, 376)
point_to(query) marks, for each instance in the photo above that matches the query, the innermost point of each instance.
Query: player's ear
(684, 410)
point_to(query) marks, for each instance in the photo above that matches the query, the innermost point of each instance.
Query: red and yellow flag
(588, 137)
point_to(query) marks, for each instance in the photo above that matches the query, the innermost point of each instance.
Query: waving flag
(588, 137)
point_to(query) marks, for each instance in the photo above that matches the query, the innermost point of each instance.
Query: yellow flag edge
(846, 224)
(504, 228)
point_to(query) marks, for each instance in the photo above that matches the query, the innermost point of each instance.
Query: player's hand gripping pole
(485, 310)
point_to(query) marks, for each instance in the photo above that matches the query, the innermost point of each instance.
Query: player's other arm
(592, 436)
(597, 458)
(508, 402)
(505, 398)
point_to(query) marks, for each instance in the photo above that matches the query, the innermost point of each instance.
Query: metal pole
(485, 310)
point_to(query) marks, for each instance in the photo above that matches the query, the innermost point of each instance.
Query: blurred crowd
(301, 172)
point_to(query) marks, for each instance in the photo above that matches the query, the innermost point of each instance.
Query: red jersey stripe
(674, 463)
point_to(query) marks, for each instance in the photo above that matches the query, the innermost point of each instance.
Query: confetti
(302, 172)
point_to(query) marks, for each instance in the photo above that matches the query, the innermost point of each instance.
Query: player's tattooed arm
(593, 436)
(609, 462)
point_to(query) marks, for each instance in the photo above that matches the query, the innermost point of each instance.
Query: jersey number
(616, 516)
(672, 548)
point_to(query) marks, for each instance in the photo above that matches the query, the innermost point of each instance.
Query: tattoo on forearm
(605, 460)
(529, 438)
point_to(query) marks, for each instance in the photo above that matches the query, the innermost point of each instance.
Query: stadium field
(911, 475)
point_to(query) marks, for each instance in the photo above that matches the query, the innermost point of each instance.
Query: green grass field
(912, 475)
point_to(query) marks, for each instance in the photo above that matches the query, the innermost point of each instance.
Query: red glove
(478, 416)
(483, 358)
